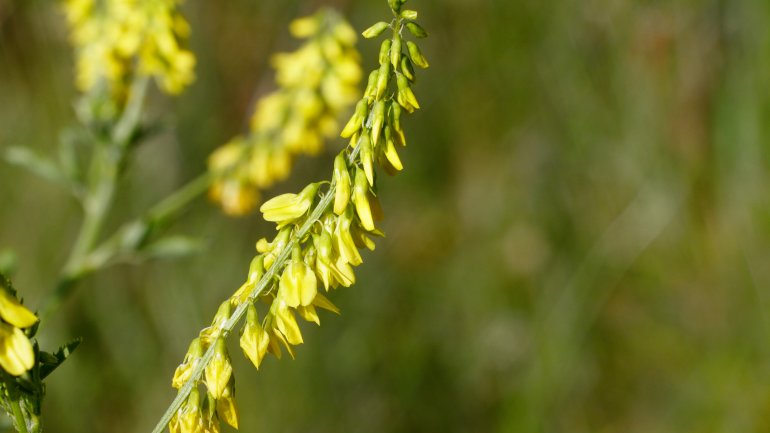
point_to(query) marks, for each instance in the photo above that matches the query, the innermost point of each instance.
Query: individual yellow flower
(16, 353)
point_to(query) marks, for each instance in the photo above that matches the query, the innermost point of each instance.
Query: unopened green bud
(371, 84)
(367, 157)
(375, 30)
(382, 79)
(342, 177)
(416, 55)
(395, 5)
(407, 69)
(416, 29)
(409, 14)
(395, 51)
(385, 51)
(378, 112)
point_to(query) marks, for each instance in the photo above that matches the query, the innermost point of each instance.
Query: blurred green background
(580, 241)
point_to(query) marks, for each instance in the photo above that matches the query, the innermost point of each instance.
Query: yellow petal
(309, 313)
(323, 302)
(227, 410)
(287, 324)
(16, 354)
(14, 313)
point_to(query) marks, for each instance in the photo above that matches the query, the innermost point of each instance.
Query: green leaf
(51, 361)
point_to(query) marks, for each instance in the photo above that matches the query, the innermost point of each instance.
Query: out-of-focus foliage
(580, 241)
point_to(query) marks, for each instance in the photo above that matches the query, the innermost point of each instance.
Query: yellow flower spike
(361, 201)
(191, 359)
(342, 178)
(16, 354)
(378, 112)
(322, 301)
(254, 340)
(218, 370)
(367, 157)
(288, 207)
(13, 312)
(309, 314)
(287, 323)
(226, 408)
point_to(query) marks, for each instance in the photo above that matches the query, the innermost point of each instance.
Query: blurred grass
(579, 242)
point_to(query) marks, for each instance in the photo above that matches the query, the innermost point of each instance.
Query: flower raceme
(316, 84)
(116, 40)
(320, 232)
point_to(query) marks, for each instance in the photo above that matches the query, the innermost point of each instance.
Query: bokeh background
(580, 241)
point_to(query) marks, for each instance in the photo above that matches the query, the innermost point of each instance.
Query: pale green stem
(18, 416)
(105, 167)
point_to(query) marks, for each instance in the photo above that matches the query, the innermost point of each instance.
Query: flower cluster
(16, 353)
(320, 232)
(117, 39)
(316, 83)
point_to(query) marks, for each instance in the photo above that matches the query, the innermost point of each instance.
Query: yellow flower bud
(342, 178)
(367, 156)
(218, 370)
(378, 113)
(355, 122)
(361, 201)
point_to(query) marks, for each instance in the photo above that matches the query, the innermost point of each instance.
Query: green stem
(19, 421)
(103, 177)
